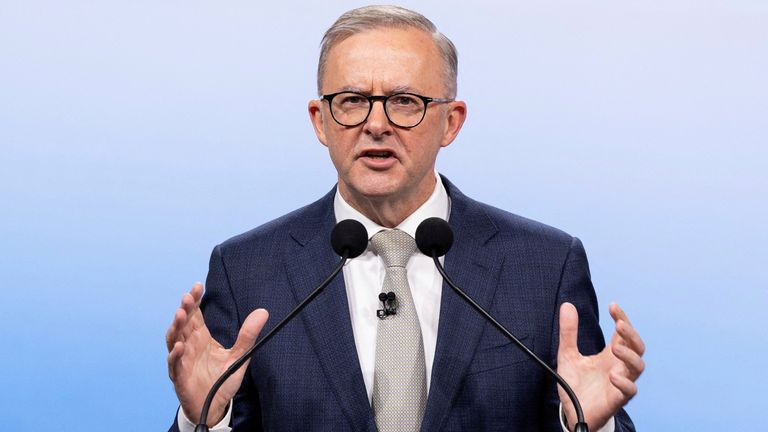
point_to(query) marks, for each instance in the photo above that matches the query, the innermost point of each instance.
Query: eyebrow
(394, 90)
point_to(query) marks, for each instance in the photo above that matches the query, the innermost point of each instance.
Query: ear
(317, 117)
(455, 116)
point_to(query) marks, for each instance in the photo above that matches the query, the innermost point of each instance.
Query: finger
(633, 363)
(186, 308)
(188, 303)
(627, 387)
(194, 316)
(179, 319)
(569, 329)
(250, 331)
(617, 312)
(174, 361)
(630, 336)
(197, 292)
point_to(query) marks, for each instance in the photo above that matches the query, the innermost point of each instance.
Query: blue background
(137, 135)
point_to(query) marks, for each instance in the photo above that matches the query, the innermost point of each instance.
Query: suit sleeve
(576, 287)
(223, 320)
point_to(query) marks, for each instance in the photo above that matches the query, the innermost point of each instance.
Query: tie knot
(395, 247)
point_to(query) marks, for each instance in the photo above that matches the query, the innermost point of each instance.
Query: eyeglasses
(405, 110)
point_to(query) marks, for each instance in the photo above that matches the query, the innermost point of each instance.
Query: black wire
(202, 426)
(581, 425)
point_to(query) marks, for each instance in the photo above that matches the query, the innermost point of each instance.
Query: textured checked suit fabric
(308, 378)
(399, 385)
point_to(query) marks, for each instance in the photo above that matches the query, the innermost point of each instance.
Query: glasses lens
(349, 109)
(405, 110)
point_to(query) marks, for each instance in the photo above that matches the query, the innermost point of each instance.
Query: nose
(377, 124)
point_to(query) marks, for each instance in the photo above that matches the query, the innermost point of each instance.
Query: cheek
(340, 150)
(423, 149)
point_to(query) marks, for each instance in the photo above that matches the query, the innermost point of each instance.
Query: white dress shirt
(364, 277)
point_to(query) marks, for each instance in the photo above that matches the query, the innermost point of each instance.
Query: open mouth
(377, 154)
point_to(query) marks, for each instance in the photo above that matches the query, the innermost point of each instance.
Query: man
(387, 81)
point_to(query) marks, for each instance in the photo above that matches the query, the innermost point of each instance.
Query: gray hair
(372, 17)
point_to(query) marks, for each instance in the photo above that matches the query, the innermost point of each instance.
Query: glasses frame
(383, 100)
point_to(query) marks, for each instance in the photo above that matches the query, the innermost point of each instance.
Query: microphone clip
(389, 302)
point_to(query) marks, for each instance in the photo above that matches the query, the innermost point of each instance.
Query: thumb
(250, 331)
(569, 329)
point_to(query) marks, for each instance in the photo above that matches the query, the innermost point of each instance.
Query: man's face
(377, 161)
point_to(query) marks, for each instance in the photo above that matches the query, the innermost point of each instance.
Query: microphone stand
(202, 424)
(581, 425)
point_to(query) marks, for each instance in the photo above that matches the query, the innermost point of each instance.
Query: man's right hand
(196, 360)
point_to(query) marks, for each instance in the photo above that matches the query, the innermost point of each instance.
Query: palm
(196, 360)
(205, 369)
(603, 382)
(588, 380)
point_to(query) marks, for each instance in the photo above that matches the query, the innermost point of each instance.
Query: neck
(387, 211)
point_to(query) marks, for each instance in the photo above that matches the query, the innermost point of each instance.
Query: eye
(403, 100)
(352, 99)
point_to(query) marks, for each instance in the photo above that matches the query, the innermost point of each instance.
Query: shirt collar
(437, 205)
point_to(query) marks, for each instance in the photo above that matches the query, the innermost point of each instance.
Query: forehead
(383, 60)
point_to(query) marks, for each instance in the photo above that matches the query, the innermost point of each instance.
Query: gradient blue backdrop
(137, 135)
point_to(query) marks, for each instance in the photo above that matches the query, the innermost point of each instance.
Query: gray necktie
(400, 378)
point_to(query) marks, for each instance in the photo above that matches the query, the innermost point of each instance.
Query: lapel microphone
(389, 301)
(434, 238)
(349, 239)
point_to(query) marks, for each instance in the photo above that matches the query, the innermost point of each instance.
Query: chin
(378, 193)
(375, 188)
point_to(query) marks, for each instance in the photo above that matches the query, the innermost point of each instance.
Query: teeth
(378, 155)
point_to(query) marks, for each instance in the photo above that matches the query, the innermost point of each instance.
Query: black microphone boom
(434, 238)
(349, 239)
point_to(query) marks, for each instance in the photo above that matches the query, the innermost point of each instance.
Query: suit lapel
(327, 319)
(471, 263)
(474, 268)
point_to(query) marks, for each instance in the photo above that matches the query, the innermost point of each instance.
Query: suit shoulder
(511, 228)
(536, 243)
(526, 231)
(510, 221)
(274, 232)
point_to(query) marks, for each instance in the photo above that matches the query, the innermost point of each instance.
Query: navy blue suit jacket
(308, 378)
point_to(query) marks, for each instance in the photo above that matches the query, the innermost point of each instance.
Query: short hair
(372, 17)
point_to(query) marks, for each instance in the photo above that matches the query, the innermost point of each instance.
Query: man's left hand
(603, 382)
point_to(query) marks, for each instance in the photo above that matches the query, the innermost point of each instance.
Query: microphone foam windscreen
(351, 236)
(434, 234)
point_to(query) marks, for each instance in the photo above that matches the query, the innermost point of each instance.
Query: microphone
(349, 236)
(349, 239)
(434, 238)
(389, 301)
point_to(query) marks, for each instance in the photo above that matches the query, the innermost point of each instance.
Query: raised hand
(603, 382)
(196, 360)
